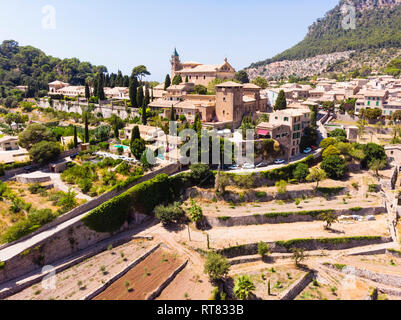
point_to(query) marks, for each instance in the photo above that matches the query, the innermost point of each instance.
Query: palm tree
(243, 287)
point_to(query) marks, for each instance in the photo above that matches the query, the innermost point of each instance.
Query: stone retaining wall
(164, 285)
(262, 219)
(253, 196)
(309, 245)
(57, 246)
(297, 287)
(120, 274)
(86, 207)
(386, 279)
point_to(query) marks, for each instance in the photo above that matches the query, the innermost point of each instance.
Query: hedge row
(286, 172)
(330, 191)
(313, 213)
(295, 243)
(142, 198)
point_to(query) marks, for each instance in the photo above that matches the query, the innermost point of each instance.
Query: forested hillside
(26, 65)
(378, 25)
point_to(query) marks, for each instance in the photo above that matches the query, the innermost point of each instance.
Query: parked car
(307, 150)
(248, 166)
(233, 167)
(261, 165)
(279, 161)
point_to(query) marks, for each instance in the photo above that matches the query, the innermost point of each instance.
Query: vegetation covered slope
(378, 25)
(26, 65)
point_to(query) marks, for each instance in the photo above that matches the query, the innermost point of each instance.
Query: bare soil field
(226, 237)
(144, 278)
(189, 286)
(382, 263)
(78, 281)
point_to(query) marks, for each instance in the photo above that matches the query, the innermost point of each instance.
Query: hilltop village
(311, 213)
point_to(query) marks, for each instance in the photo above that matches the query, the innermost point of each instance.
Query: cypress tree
(135, 134)
(146, 100)
(144, 117)
(186, 79)
(75, 137)
(139, 97)
(172, 113)
(177, 79)
(167, 82)
(281, 102)
(87, 91)
(133, 89)
(86, 128)
(95, 86)
(100, 88)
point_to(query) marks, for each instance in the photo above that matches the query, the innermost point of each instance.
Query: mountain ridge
(378, 25)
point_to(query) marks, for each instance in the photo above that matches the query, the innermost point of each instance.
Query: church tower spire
(175, 63)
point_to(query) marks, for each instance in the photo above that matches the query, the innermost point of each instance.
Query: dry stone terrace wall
(169, 169)
(291, 218)
(252, 195)
(306, 244)
(60, 245)
(73, 106)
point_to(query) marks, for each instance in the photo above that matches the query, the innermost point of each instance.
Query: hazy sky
(121, 34)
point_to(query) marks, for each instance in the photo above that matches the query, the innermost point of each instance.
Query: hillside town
(276, 182)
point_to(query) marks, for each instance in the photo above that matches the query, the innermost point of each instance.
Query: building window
(285, 118)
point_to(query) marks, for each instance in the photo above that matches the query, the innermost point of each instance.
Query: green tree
(116, 123)
(316, 175)
(87, 91)
(242, 76)
(75, 137)
(330, 151)
(216, 266)
(139, 97)
(177, 80)
(33, 134)
(200, 89)
(167, 82)
(329, 218)
(281, 102)
(44, 152)
(86, 127)
(334, 166)
(298, 255)
(135, 134)
(133, 89)
(195, 212)
(263, 248)
(140, 72)
(327, 142)
(243, 287)
(261, 82)
(173, 116)
(138, 147)
(376, 165)
(301, 172)
(281, 186)
(170, 213)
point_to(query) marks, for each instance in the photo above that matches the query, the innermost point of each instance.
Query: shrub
(356, 209)
(301, 172)
(334, 166)
(281, 187)
(36, 188)
(263, 248)
(170, 213)
(216, 266)
(261, 194)
(330, 151)
(243, 287)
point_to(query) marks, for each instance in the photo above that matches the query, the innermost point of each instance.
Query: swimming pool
(121, 146)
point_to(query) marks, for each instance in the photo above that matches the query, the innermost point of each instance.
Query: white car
(248, 166)
(279, 161)
(307, 150)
